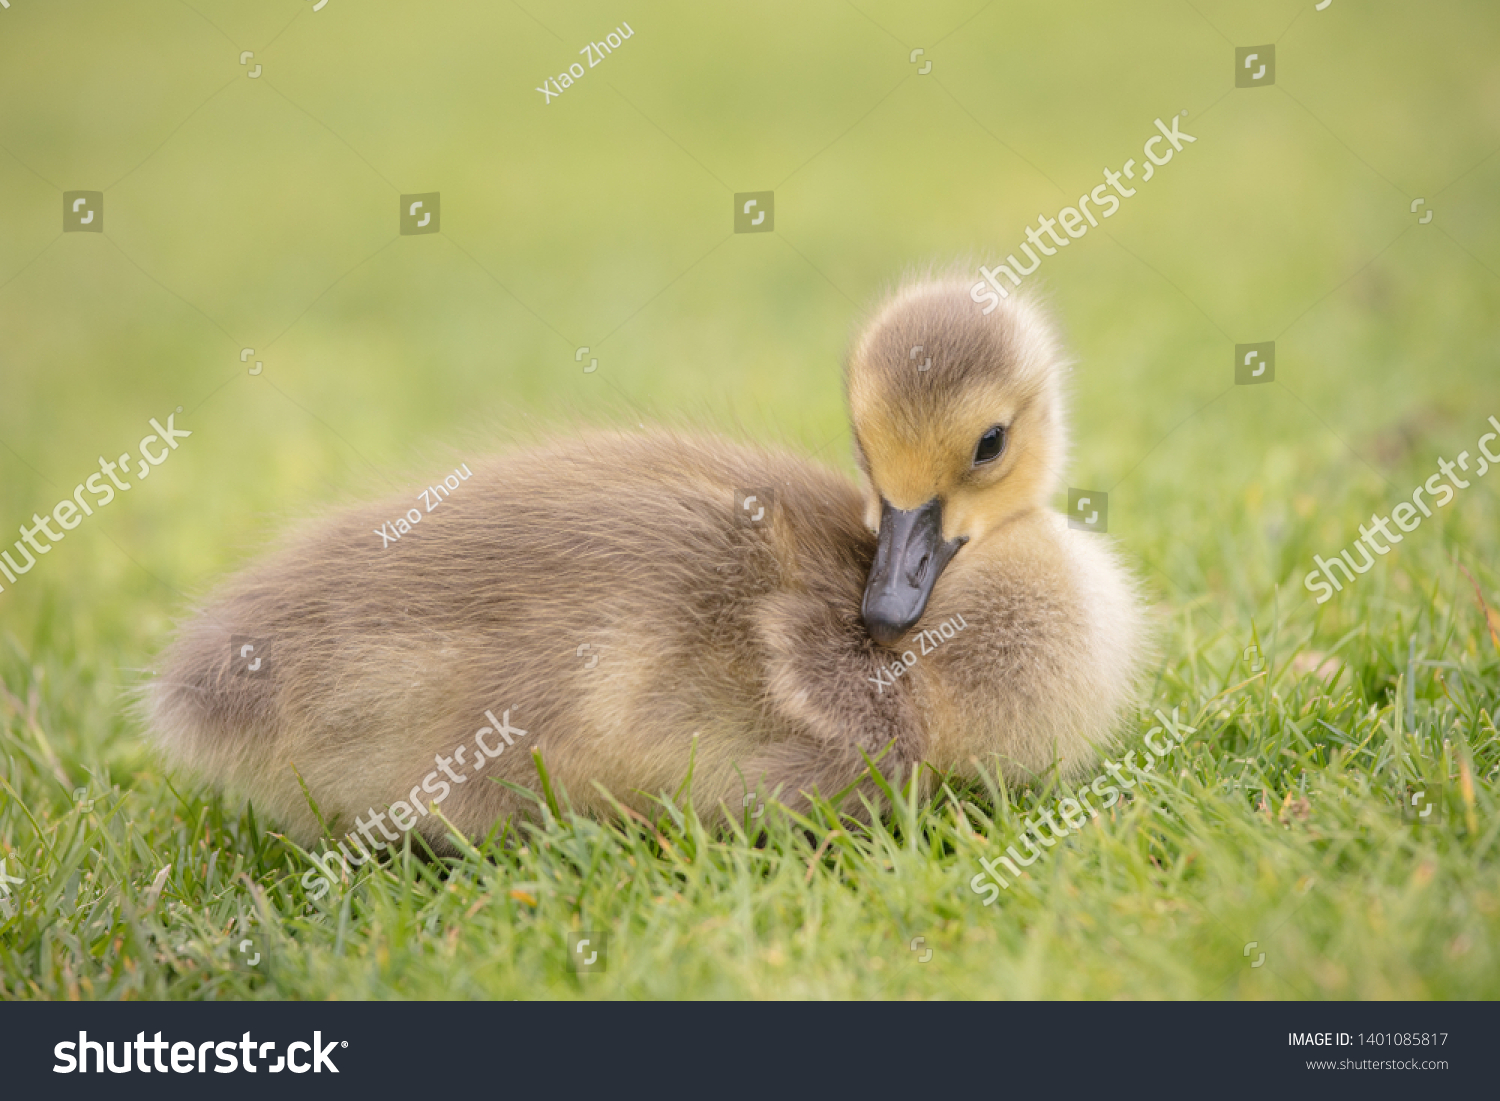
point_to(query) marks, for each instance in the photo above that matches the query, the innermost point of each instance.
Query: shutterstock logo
(754, 211)
(588, 951)
(1088, 510)
(754, 507)
(1423, 804)
(1255, 363)
(83, 212)
(421, 213)
(1255, 66)
(189, 1058)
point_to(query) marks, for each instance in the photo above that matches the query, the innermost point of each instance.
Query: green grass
(602, 219)
(1278, 822)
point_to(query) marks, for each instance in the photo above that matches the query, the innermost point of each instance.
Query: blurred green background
(263, 213)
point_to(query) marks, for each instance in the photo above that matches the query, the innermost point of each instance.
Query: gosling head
(958, 429)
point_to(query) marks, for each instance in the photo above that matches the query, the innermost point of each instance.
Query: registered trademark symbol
(346, 1043)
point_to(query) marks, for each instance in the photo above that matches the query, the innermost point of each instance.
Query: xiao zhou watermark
(433, 496)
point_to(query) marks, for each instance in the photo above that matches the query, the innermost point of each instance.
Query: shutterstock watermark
(1069, 808)
(1076, 220)
(403, 814)
(1408, 516)
(7, 907)
(70, 511)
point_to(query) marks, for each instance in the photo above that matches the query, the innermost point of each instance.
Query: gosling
(668, 613)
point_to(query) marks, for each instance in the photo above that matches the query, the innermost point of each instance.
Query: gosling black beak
(910, 555)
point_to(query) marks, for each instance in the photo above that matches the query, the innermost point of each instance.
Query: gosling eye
(990, 445)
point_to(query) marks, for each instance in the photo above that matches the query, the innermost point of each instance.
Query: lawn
(250, 224)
